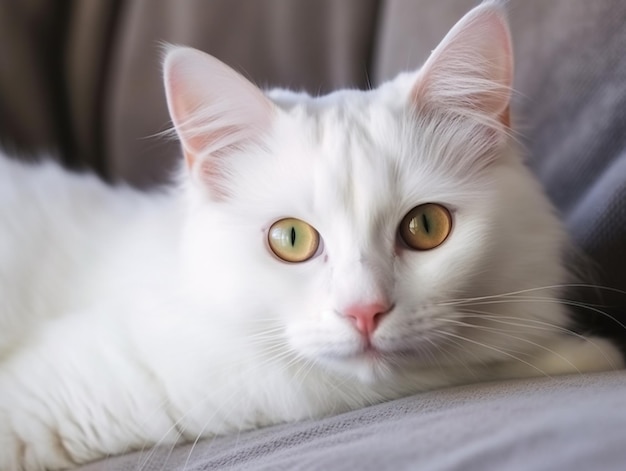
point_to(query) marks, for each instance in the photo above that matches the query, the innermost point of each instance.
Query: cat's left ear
(215, 111)
(471, 71)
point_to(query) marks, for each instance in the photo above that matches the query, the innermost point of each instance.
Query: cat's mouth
(371, 364)
(370, 351)
(386, 353)
(373, 353)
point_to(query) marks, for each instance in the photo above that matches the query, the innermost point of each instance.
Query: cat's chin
(365, 369)
(371, 365)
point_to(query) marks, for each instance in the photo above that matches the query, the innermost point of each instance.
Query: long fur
(129, 320)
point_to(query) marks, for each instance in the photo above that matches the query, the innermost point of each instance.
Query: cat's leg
(566, 355)
(75, 394)
(18, 454)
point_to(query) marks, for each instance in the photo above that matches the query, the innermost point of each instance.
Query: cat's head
(347, 227)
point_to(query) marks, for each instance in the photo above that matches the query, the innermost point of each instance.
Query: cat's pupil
(425, 223)
(293, 236)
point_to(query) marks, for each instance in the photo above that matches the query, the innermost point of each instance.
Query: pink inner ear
(472, 68)
(214, 109)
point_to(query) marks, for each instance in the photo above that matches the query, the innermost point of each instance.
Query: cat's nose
(366, 317)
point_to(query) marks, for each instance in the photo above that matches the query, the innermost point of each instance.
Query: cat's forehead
(354, 157)
(396, 91)
(346, 128)
(344, 170)
(351, 150)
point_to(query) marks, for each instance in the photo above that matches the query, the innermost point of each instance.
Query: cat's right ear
(471, 71)
(215, 111)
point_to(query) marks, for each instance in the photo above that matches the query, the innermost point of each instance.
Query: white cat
(319, 255)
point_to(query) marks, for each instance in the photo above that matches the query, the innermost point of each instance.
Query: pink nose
(366, 317)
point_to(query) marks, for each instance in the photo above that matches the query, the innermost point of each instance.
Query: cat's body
(131, 319)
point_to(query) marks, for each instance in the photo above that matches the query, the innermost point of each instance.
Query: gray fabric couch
(572, 423)
(83, 78)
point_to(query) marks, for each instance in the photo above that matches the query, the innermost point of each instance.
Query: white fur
(131, 319)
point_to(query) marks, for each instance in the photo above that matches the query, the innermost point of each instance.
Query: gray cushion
(568, 423)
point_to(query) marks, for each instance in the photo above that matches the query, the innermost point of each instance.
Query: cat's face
(344, 229)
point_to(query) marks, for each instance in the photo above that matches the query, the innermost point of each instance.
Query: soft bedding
(568, 423)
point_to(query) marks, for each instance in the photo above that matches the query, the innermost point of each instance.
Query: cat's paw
(580, 355)
(567, 355)
(43, 452)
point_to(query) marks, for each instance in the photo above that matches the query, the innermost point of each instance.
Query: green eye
(426, 226)
(293, 240)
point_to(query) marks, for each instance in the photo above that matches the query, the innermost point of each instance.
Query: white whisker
(547, 300)
(515, 337)
(495, 349)
(528, 290)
